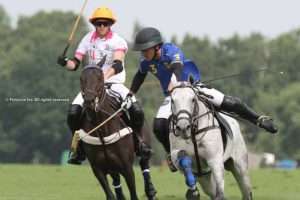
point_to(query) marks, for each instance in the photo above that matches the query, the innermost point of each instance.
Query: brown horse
(109, 149)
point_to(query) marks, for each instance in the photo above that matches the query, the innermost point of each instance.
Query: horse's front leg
(213, 154)
(184, 163)
(148, 185)
(145, 153)
(217, 170)
(129, 177)
(103, 181)
(117, 186)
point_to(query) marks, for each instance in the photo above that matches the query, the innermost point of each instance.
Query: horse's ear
(191, 79)
(102, 61)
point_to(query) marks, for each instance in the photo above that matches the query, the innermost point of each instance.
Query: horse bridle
(99, 99)
(192, 118)
(176, 118)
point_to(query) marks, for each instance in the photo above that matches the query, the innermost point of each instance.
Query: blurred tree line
(34, 130)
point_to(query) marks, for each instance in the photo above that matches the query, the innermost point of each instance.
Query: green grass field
(35, 182)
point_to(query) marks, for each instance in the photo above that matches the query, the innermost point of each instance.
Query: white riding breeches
(216, 99)
(119, 88)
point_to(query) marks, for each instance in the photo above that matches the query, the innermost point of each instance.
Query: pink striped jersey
(93, 49)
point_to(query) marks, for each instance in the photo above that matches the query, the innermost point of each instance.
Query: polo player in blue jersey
(167, 62)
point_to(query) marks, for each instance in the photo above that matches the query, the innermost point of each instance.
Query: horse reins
(105, 121)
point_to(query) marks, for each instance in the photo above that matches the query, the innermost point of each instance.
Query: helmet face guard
(147, 38)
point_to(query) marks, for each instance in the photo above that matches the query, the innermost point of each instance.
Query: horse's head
(183, 104)
(92, 86)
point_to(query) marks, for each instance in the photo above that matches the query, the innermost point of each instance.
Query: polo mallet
(75, 25)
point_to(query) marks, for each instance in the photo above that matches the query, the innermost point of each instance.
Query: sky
(212, 18)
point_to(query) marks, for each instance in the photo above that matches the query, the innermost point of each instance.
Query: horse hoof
(150, 191)
(151, 194)
(192, 194)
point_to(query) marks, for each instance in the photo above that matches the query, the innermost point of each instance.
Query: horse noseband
(176, 119)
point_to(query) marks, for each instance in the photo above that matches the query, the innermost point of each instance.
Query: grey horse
(195, 125)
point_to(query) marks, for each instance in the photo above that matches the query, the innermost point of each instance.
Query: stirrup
(76, 158)
(266, 123)
(261, 119)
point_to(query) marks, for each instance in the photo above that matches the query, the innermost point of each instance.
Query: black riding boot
(74, 122)
(235, 105)
(161, 131)
(136, 123)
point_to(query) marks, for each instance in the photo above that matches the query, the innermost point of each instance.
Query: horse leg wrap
(149, 187)
(185, 164)
(119, 192)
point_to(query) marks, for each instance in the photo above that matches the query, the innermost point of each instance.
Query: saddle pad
(225, 127)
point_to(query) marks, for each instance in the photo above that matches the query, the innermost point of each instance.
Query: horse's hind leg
(240, 173)
(104, 183)
(148, 185)
(128, 174)
(117, 186)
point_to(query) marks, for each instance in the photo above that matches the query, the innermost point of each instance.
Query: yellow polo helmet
(103, 13)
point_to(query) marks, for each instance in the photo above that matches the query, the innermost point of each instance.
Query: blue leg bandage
(185, 163)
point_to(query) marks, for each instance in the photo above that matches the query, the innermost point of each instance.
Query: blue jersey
(161, 68)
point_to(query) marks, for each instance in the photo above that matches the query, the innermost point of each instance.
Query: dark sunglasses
(102, 23)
